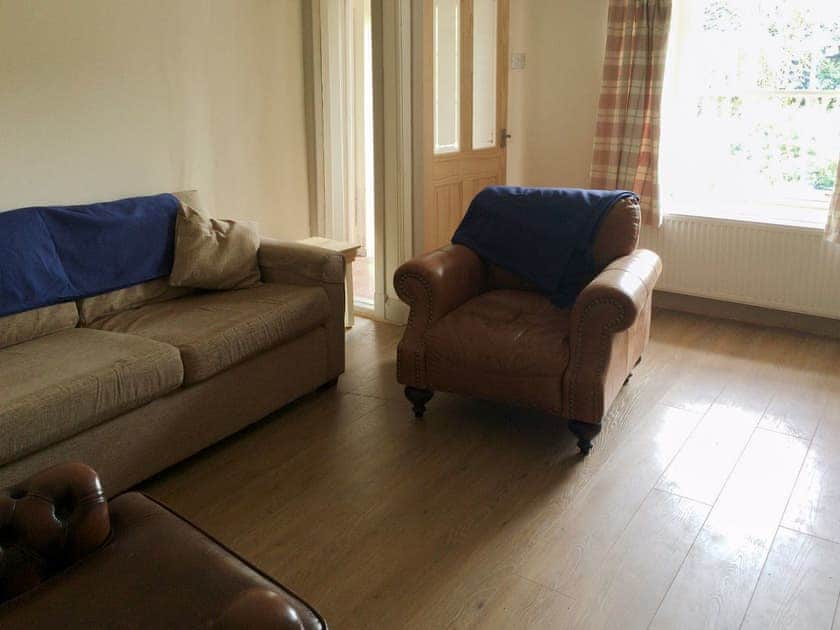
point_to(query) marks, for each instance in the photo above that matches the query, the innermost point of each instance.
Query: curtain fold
(832, 227)
(626, 149)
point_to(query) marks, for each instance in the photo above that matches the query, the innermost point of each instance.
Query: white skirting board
(773, 266)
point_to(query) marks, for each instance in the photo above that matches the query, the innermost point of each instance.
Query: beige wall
(552, 102)
(107, 98)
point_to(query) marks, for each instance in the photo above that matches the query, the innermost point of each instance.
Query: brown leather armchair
(479, 330)
(69, 558)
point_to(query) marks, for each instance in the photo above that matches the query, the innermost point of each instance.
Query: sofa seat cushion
(56, 386)
(216, 330)
(505, 345)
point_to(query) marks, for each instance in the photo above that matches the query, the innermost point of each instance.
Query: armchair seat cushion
(217, 330)
(506, 345)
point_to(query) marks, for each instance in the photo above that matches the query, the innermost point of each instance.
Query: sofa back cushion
(38, 322)
(61, 253)
(31, 275)
(151, 292)
(105, 304)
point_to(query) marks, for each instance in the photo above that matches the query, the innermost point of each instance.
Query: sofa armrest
(616, 300)
(295, 263)
(47, 523)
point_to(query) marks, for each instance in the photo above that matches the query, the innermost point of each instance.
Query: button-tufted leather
(154, 570)
(48, 522)
(517, 337)
(479, 330)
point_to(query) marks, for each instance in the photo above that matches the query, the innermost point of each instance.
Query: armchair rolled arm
(617, 300)
(614, 299)
(47, 522)
(296, 263)
(433, 285)
(438, 282)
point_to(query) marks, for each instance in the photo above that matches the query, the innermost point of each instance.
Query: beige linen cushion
(151, 292)
(38, 322)
(214, 253)
(217, 330)
(56, 386)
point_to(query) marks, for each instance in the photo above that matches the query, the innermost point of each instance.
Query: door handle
(504, 138)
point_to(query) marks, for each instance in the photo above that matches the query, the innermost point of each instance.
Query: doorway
(340, 85)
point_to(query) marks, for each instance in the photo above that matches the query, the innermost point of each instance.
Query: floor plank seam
(702, 526)
(778, 526)
(809, 534)
(682, 496)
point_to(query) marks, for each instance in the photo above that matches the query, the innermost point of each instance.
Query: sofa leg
(585, 432)
(418, 399)
(328, 385)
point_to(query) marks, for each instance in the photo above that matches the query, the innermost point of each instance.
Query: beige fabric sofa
(135, 380)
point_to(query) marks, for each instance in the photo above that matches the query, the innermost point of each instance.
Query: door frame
(393, 147)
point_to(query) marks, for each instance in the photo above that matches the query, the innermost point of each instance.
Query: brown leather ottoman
(70, 559)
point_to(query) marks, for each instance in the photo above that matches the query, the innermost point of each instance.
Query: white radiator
(779, 267)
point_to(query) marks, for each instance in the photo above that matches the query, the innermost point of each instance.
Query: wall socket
(517, 61)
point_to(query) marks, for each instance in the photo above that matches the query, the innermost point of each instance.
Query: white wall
(552, 102)
(101, 99)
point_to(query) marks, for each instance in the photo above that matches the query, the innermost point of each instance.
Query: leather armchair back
(617, 236)
(48, 522)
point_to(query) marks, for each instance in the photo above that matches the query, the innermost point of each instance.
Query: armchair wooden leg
(585, 432)
(418, 399)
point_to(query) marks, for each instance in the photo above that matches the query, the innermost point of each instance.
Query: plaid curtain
(626, 151)
(832, 228)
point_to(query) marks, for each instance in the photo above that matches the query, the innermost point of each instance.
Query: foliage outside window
(751, 109)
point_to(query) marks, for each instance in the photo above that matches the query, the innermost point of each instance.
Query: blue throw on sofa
(55, 254)
(542, 234)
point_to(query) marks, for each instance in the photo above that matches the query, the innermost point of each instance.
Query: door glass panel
(484, 74)
(447, 90)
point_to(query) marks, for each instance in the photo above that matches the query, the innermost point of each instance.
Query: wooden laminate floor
(711, 498)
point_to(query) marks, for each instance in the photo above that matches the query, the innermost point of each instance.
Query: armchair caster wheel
(585, 432)
(418, 399)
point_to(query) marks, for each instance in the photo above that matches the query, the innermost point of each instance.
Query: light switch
(517, 61)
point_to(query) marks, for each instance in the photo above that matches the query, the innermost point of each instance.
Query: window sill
(796, 218)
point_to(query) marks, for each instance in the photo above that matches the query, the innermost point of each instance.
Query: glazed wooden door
(465, 108)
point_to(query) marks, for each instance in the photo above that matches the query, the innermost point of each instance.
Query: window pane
(484, 74)
(447, 60)
(751, 107)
